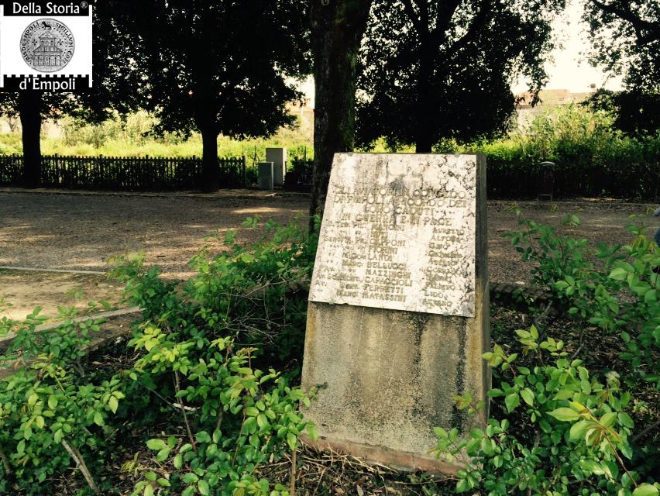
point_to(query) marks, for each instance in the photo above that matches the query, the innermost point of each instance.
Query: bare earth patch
(58, 230)
(21, 292)
(601, 221)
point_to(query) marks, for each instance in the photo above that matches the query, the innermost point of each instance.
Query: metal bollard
(547, 186)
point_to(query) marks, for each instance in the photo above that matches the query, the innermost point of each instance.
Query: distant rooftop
(551, 98)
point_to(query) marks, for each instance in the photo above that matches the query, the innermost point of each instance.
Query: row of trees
(412, 71)
(438, 68)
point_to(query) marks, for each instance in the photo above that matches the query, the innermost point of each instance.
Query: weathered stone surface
(386, 377)
(265, 175)
(278, 156)
(399, 232)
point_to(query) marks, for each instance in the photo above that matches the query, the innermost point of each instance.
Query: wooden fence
(123, 173)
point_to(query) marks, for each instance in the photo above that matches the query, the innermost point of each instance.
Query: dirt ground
(73, 231)
(21, 292)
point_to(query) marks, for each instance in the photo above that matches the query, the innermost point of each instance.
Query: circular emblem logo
(47, 45)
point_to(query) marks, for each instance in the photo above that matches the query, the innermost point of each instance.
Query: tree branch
(446, 12)
(80, 462)
(177, 387)
(292, 482)
(414, 17)
(639, 25)
(477, 25)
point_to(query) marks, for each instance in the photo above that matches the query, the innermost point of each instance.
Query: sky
(570, 69)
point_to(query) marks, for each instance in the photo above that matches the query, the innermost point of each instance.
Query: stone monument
(398, 306)
(265, 175)
(278, 157)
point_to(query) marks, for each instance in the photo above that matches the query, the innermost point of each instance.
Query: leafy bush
(239, 419)
(255, 294)
(200, 345)
(615, 288)
(51, 414)
(564, 432)
(194, 402)
(591, 157)
(556, 427)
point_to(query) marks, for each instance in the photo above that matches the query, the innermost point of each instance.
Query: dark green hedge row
(623, 168)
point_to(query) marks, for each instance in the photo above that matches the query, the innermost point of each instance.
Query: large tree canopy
(220, 66)
(636, 112)
(443, 68)
(626, 40)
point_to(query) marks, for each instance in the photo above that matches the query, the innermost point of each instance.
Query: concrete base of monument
(398, 460)
(382, 380)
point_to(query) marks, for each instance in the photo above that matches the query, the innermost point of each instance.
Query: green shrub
(51, 414)
(557, 428)
(255, 294)
(564, 432)
(199, 346)
(591, 157)
(236, 418)
(194, 375)
(615, 288)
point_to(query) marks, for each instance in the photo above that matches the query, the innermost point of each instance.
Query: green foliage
(242, 417)
(591, 157)
(635, 112)
(615, 288)
(625, 37)
(131, 130)
(556, 427)
(199, 345)
(563, 431)
(194, 375)
(203, 71)
(51, 414)
(134, 135)
(436, 69)
(256, 294)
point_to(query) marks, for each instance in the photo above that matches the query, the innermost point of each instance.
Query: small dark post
(657, 233)
(547, 186)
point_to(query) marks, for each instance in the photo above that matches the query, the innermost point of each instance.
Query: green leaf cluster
(563, 431)
(616, 288)
(49, 404)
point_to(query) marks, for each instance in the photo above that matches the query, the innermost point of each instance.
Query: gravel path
(83, 231)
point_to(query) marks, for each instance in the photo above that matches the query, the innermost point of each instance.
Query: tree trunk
(210, 168)
(29, 106)
(337, 29)
(425, 107)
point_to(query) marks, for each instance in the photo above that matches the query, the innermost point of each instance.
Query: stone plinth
(278, 156)
(265, 175)
(398, 314)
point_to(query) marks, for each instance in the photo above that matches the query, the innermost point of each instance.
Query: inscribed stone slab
(399, 233)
